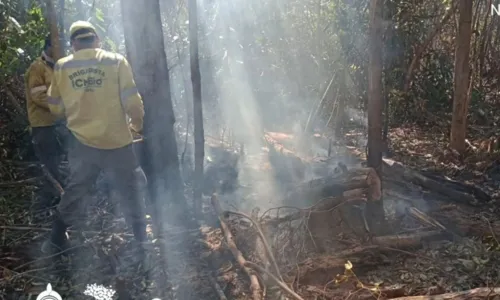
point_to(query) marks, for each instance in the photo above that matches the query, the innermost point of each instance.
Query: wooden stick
(479, 293)
(53, 180)
(282, 285)
(405, 241)
(254, 281)
(264, 241)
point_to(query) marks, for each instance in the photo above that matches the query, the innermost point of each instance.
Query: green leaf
(99, 15)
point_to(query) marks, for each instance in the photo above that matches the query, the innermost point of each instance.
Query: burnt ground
(344, 263)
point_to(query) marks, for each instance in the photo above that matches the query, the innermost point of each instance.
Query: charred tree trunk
(199, 135)
(146, 52)
(462, 70)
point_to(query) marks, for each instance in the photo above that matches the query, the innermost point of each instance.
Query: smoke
(264, 74)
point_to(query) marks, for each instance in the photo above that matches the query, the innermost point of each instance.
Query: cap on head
(81, 29)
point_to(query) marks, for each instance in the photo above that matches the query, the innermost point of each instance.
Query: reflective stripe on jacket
(95, 90)
(37, 81)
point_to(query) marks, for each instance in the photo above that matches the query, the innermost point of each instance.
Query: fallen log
(393, 169)
(334, 186)
(254, 281)
(413, 240)
(479, 293)
(459, 186)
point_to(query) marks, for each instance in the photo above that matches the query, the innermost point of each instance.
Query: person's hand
(135, 133)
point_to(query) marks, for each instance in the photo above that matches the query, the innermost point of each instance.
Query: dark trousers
(49, 144)
(127, 177)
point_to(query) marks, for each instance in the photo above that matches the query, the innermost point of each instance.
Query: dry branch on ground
(254, 281)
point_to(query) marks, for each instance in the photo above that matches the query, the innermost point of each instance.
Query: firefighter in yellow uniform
(45, 130)
(95, 92)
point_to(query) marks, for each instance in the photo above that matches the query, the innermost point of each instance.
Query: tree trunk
(376, 219)
(60, 21)
(462, 70)
(375, 86)
(146, 52)
(485, 34)
(199, 135)
(54, 32)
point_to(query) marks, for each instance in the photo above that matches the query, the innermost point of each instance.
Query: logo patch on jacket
(87, 79)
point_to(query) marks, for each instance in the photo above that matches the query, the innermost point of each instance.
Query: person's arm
(54, 100)
(129, 96)
(36, 85)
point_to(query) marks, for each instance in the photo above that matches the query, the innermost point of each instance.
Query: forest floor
(347, 263)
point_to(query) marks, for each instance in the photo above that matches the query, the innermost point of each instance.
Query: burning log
(337, 185)
(479, 293)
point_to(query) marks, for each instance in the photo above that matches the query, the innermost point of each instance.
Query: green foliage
(21, 43)
(289, 50)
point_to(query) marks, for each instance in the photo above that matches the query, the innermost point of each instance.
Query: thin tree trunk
(62, 8)
(199, 135)
(461, 80)
(375, 86)
(482, 47)
(376, 218)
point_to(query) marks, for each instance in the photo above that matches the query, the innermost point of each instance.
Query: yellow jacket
(37, 81)
(95, 90)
